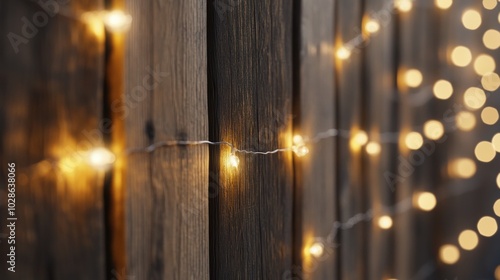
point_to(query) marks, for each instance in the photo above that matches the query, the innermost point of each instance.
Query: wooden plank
(381, 107)
(315, 182)
(167, 204)
(52, 93)
(250, 92)
(349, 101)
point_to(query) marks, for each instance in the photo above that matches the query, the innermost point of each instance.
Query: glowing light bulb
(117, 21)
(343, 53)
(468, 239)
(414, 140)
(101, 158)
(360, 138)
(487, 226)
(426, 201)
(474, 98)
(413, 78)
(404, 5)
(489, 115)
(442, 89)
(461, 56)
(449, 254)
(462, 168)
(299, 147)
(385, 222)
(317, 249)
(443, 4)
(471, 19)
(466, 121)
(373, 148)
(372, 26)
(433, 129)
(233, 160)
(485, 151)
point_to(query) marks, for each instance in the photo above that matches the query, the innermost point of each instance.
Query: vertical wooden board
(316, 181)
(51, 88)
(381, 107)
(167, 208)
(250, 94)
(349, 96)
(418, 46)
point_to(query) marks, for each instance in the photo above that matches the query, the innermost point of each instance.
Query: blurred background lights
(461, 56)
(426, 201)
(489, 4)
(404, 5)
(299, 147)
(484, 64)
(462, 168)
(498, 180)
(468, 239)
(101, 157)
(489, 115)
(471, 19)
(343, 53)
(233, 160)
(442, 89)
(495, 141)
(497, 270)
(496, 207)
(117, 21)
(474, 98)
(317, 249)
(433, 129)
(491, 39)
(443, 4)
(465, 121)
(484, 151)
(373, 148)
(449, 254)
(360, 138)
(487, 226)
(93, 20)
(414, 140)
(413, 78)
(385, 222)
(490, 81)
(372, 26)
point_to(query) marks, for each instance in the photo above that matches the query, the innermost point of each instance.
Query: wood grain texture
(167, 190)
(315, 174)
(250, 90)
(349, 105)
(51, 92)
(381, 107)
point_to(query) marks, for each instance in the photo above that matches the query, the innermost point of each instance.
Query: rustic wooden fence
(252, 73)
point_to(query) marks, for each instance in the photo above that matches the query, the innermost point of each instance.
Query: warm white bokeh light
(443, 4)
(343, 53)
(101, 157)
(117, 21)
(491, 39)
(490, 81)
(317, 249)
(468, 239)
(385, 222)
(233, 161)
(471, 19)
(413, 78)
(449, 254)
(461, 56)
(485, 151)
(474, 98)
(465, 121)
(489, 115)
(372, 26)
(426, 201)
(463, 168)
(489, 4)
(484, 64)
(373, 148)
(433, 129)
(414, 140)
(496, 207)
(404, 5)
(495, 141)
(442, 89)
(487, 226)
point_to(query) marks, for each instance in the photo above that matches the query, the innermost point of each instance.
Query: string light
(414, 140)
(487, 226)
(465, 121)
(413, 78)
(489, 4)
(489, 115)
(343, 53)
(317, 249)
(468, 239)
(490, 82)
(484, 64)
(233, 160)
(461, 56)
(471, 19)
(484, 151)
(101, 158)
(474, 98)
(443, 4)
(373, 148)
(385, 222)
(491, 39)
(449, 254)
(372, 26)
(442, 89)
(433, 129)
(117, 21)
(462, 168)
(404, 5)
(299, 148)
(426, 201)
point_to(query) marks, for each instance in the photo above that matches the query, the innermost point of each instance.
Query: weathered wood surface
(167, 190)
(315, 173)
(51, 92)
(250, 92)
